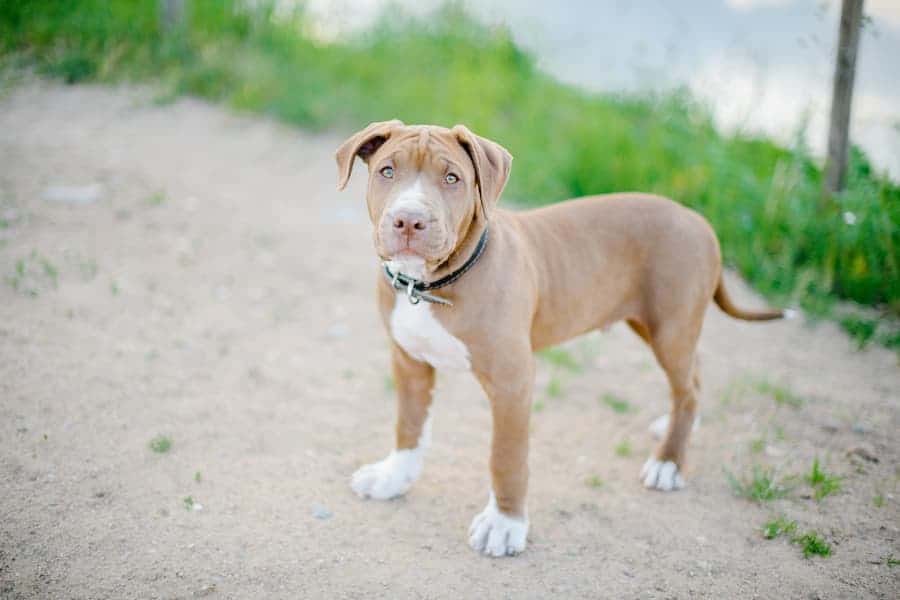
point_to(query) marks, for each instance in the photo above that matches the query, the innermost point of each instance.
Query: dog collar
(416, 290)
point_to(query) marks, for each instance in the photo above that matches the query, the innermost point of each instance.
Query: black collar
(415, 289)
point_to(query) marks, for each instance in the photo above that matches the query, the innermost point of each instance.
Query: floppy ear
(492, 163)
(362, 144)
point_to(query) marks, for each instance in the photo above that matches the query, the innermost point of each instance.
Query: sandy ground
(213, 287)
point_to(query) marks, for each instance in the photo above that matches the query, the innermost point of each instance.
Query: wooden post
(171, 14)
(842, 96)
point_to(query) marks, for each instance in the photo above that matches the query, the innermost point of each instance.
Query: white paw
(497, 534)
(390, 477)
(660, 425)
(661, 475)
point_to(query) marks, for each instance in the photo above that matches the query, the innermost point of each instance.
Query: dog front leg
(394, 475)
(501, 528)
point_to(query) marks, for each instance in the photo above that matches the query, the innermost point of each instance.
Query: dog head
(428, 187)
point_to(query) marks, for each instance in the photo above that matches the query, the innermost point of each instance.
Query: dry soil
(177, 270)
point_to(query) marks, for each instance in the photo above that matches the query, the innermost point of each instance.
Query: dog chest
(415, 328)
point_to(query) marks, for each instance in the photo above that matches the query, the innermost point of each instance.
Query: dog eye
(387, 172)
(451, 178)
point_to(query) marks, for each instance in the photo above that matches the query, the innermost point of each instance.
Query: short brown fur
(548, 275)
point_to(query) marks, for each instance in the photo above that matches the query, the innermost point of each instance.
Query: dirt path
(213, 287)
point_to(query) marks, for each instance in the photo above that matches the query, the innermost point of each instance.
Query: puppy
(467, 286)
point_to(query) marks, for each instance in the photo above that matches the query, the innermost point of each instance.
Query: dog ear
(492, 164)
(362, 144)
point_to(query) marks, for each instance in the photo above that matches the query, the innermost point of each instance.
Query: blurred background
(722, 105)
(192, 366)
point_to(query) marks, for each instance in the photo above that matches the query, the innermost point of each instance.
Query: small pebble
(321, 513)
(862, 428)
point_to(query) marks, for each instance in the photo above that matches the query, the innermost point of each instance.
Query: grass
(618, 405)
(155, 199)
(763, 199)
(778, 526)
(878, 500)
(811, 542)
(560, 362)
(823, 483)
(760, 486)
(188, 502)
(594, 481)
(560, 358)
(161, 444)
(781, 394)
(623, 449)
(33, 274)
(198, 477)
(554, 387)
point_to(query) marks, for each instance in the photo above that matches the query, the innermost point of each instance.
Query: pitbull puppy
(534, 279)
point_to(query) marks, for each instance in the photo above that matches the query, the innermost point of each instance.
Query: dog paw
(496, 534)
(388, 478)
(661, 475)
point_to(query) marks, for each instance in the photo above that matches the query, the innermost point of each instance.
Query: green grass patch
(757, 445)
(560, 358)
(618, 405)
(623, 448)
(865, 329)
(594, 481)
(538, 406)
(878, 500)
(778, 526)
(155, 199)
(33, 274)
(188, 502)
(780, 393)
(554, 388)
(822, 483)
(198, 476)
(745, 384)
(161, 444)
(763, 199)
(761, 485)
(810, 542)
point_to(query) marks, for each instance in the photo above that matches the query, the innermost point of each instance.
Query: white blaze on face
(412, 198)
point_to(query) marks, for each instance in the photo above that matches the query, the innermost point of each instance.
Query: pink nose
(409, 221)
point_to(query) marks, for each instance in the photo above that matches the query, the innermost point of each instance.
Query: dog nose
(408, 221)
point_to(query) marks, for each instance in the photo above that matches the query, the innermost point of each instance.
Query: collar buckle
(411, 293)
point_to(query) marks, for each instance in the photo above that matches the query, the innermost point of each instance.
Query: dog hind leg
(674, 345)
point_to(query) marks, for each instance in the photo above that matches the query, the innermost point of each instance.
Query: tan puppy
(539, 278)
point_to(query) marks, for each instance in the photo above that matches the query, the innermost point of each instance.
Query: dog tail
(724, 301)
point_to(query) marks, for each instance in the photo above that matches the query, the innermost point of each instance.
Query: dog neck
(463, 251)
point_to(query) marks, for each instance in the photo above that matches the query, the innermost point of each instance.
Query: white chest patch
(423, 337)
